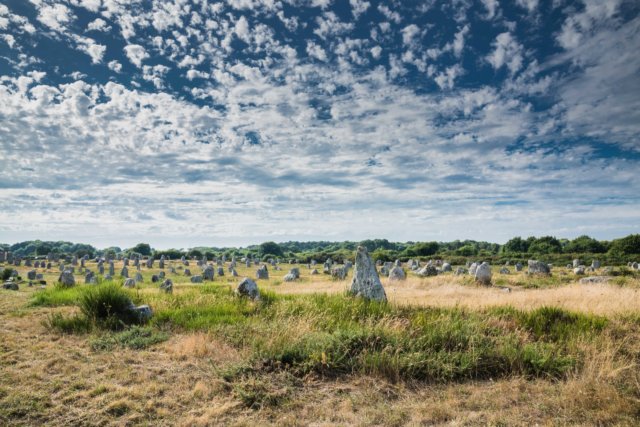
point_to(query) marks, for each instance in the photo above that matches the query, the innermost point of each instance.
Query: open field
(444, 351)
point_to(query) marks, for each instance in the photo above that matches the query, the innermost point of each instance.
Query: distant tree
(516, 245)
(142, 249)
(466, 250)
(629, 245)
(585, 244)
(423, 249)
(545, 245)
(194, 253)
(271, 248)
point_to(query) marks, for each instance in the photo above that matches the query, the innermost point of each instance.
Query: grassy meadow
(442, 351)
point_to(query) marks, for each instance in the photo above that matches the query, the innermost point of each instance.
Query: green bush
(108, 306)
(6, 273)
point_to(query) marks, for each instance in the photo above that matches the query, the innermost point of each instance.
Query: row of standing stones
(365, 282)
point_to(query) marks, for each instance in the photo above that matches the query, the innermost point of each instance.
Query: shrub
(6, 273)
(108, 306)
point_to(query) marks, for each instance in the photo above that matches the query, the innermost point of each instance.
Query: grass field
(443, 351)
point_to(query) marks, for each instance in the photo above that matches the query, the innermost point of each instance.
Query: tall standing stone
(366, 282)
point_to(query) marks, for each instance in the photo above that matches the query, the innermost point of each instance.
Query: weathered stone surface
(66, 278)
(150, 262)
(366, 282)
(505, 270)
(397, 273)
(167, 286)
(161, 275)
(576, 263)
(234, 273)
(196, 279)
(31, 275)
(472, 268)
(428, 270)
(208, 273)
(154, 278)
(262, 272)
(139, 278)
(129, 283)
(248, 288)
(144, 312)
(293, 274)
(595, 264)
(112, 271)
(538, 267)
(10, 286)
(518, 267)
(483, 274)
(124, 272)
(314, 272)
(187, 272)
(446, 267)
(594, 280)
(220, 271)
(90, 278)
(339, 273)
(578, 271)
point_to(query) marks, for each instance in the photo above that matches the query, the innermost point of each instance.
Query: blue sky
(184, 123)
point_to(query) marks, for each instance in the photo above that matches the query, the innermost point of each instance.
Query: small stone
(196, 279)
(538, 267)
(397, 273)
(483, 274)
(129, 283)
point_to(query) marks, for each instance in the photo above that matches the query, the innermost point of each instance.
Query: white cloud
(55, 16)
(115, 66)
(492, 7)
(409, 33)
(98, 24)
(316, 51)
(242, 30)
(358, 7)
(507, 51)
(136, 54)
(376, 51)
(530, 5)
(446, 79)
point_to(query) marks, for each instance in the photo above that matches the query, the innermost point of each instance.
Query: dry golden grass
(49, 379)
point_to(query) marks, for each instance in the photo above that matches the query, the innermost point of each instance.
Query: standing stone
(293, 274)
(161, 275)
(187, 272)
(208, 273)
(31, 275)
(129, 283)
(472, 269)
(460, 271)
(538, 267)
(397, 273)
(66, 278)
(220, 271)
(446, 267)
(74, 260)
(154, 278)
(139, 278)
(124, 272)
(150, 262)
(578, 271)
(428, 270)
(167, 286)
(366, 282)
(125, 261)
(112, 269)
(576, 263)
(161, 262)
(314, 272)
(234, 273)
(248, 288)
(519, 266)
(196, 279)
(483, 274)
(90, 278)
(247, 263)
(101, 269)
(595, 264)
(82, 260)
(27, 262)
(262, 272)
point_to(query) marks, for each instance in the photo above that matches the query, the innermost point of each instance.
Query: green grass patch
(135, 338)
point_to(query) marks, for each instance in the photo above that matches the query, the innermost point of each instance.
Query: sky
(218, 123)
